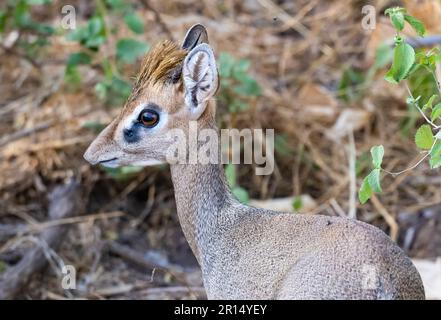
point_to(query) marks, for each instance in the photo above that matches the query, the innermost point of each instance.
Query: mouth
(111, 163)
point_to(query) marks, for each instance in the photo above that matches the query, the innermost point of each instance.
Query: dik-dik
(244, 252)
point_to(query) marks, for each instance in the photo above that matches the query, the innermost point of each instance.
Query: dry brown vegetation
(123, 237)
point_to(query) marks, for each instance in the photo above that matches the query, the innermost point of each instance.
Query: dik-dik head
(173, 87)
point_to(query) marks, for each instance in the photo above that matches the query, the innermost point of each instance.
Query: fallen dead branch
(142, 261)
(64, 202)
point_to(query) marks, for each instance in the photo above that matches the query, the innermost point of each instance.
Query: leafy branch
(405, 63)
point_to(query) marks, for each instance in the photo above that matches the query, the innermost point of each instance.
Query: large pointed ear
(200, 79)
(197, 34)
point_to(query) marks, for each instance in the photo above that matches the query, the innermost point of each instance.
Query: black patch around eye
(131, 135)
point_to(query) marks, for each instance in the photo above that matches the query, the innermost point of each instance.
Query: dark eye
(148, 118)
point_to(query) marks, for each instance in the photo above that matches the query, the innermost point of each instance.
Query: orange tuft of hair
(159, 64)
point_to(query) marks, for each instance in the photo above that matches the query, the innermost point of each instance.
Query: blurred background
(306, 68)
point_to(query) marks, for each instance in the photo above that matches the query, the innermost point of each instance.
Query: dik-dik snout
(132, 140)
(173, 88)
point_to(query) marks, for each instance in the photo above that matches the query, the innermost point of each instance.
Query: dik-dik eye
(148, 118)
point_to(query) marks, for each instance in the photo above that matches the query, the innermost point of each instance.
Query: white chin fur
(147, 163)
(110, 164)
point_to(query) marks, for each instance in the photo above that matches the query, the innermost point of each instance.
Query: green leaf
(226, 64)
(117, 4)
(404, 58)
(95, 26)
(38, 2)
(79, 58)
(281, 145)
(101, 90)
(120, 90)
(383, 56)
(122, 173)
(230, 173)
(297, 203)
(3, 19)
(72, 75)
(134, 22)
(79, 34)
(436, 112)
(416, 24)
(424, 137)
(95, 42)
(365, 191)
(435, 162)
(413, 69)
(241, 194)
(377, 153)
(374, 180)
(397, 20)
(393, 10)
(128, 50)
(436, 150)
(238, 106)
(21, 14)
(429, 103)
(241, 67)
(248, 87)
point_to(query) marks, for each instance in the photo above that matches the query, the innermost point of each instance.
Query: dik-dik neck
(202, 199)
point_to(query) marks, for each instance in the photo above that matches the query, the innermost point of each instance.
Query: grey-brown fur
(250, 253)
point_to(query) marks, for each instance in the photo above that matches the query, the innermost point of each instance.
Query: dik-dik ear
(200, 79)
(195, 35)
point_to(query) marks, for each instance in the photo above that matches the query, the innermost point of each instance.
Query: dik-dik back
(283, 256)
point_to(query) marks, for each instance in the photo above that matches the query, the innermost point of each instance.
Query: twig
(437, 75)
(428, 41)
(387, 217)
(352, 212)
(142, 261)
(415, 165)
(337, 208)
(285, 17)
(90, 217)
(199, 292)
(415, 104)
(25, 132)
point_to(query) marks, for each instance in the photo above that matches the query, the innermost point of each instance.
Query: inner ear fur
(200, 78)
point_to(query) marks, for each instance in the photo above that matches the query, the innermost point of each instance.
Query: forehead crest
(158, 65)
